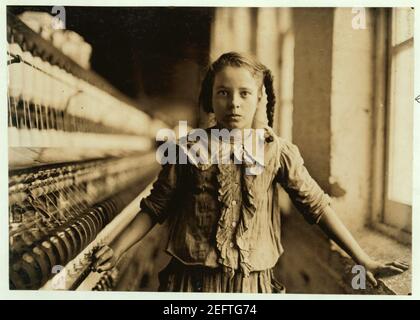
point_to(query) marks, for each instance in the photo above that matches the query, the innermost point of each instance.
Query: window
(397, 206)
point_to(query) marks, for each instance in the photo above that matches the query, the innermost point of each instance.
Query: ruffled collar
(248, 149)
(228, 257)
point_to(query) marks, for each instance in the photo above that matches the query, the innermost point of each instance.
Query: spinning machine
(81, 157)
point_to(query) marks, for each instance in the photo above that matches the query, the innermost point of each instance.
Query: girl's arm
(335, 230)
(154, 208)
(108, 255)
(314, 204)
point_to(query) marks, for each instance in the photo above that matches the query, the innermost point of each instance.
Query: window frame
(382, 219)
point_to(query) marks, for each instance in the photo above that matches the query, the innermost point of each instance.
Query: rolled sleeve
(303, 190)
(158, 203)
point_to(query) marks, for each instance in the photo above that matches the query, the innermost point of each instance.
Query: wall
(332, 125)
(312, 89)
(333, 101)
(351, 116)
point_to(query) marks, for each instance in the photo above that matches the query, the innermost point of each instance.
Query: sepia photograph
(210, 149)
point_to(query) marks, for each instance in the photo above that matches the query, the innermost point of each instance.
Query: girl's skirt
(178, 277)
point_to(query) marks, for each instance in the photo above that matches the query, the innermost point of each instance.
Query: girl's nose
(235, 101)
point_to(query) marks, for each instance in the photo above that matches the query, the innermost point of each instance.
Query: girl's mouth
(233, 117)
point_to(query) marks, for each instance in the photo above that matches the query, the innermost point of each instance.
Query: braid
(204, 98)
(271, 97)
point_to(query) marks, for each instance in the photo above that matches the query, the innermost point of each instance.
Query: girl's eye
(223, 93)
(245, 94)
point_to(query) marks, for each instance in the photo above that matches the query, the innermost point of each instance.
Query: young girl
(225, 223)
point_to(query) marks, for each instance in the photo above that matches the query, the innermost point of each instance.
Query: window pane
(401, 127)
(402, 25)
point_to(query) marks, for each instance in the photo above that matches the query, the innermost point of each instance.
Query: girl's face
(236, 94)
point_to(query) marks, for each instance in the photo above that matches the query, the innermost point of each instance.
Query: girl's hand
(105, 258)
(377, 269)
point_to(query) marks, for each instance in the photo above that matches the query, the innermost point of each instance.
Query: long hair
(235, 59)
